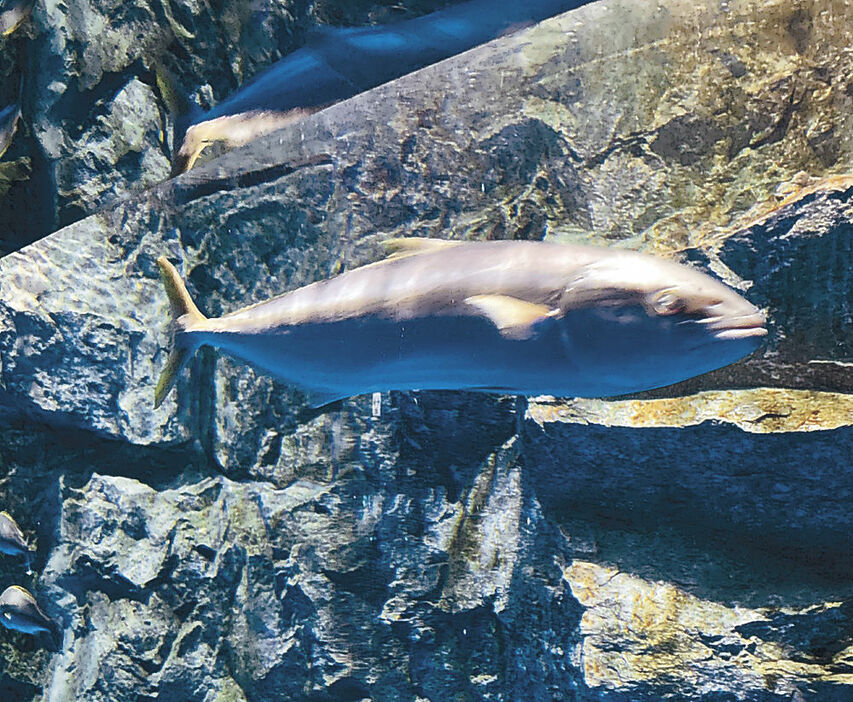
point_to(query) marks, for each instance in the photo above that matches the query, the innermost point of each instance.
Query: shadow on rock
(732, 517)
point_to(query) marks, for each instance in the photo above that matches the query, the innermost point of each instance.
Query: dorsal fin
(409, 246)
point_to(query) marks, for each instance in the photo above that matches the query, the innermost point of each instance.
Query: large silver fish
(518, 317)
(19, 611)
(339, 63)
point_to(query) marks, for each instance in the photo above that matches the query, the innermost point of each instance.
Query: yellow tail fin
(184, 314)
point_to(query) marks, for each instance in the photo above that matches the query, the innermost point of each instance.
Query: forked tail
(184, 315)
(182, 113)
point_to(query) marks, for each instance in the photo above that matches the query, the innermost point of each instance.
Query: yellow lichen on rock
(726, 102)
(636, 632)
(800, 186)
(758, 410)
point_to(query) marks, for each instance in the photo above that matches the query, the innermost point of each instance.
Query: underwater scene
(426, 350)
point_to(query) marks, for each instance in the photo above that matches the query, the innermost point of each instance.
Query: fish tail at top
(185, 314)
(182, 112)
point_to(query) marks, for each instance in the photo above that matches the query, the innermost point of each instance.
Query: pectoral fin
(514, 318)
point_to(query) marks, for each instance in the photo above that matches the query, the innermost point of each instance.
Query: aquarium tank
(426, 350)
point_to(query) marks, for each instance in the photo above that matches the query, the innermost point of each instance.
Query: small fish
(9, 117)
(338, 63)
(513, 317)
(12, 541)
(20, 612)
(13, 13)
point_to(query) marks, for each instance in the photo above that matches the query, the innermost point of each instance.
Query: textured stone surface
(340, 589)
(760, 515)
(305, 203)
(685, 647)
(97, 129)
(449, 546)
(761, 410)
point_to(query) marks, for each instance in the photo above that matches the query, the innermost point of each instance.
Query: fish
(12, 540)
(19, 611)
(512, 317)
(9, 117)
(13, 13)
(338, 63)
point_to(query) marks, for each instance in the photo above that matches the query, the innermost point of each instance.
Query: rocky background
(692, 543)
(97, 127)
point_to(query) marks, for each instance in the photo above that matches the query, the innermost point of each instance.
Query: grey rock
(319, 586)
(98, 129)
(118, 155)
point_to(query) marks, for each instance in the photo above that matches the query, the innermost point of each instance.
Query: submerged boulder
(98, 128)
(687, 544)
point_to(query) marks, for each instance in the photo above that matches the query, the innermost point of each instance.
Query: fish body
(20, 612)
(513, 317)
(12, 541)
(9, 117)
(339, 63)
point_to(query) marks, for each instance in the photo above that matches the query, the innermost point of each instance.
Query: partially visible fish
(19, 611)
(9, 117)
(12, 540)
(13, 13)
(514, 317)
(339, 63)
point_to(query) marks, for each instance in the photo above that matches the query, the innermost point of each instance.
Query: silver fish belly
(526, 318)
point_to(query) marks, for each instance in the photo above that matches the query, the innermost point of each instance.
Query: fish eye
(667, 302)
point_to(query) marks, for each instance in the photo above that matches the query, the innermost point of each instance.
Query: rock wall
(236, 545)
(98, 127)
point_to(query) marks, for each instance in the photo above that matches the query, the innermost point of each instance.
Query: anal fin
(318, 399)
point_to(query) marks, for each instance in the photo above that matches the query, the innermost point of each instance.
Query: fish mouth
(743, 327)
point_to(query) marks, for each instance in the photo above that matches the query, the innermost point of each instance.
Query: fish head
(643, 322)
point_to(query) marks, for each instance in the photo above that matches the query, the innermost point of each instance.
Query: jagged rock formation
(97, 128)
(235, 545)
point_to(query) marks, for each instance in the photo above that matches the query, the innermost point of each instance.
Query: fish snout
(739, 326)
